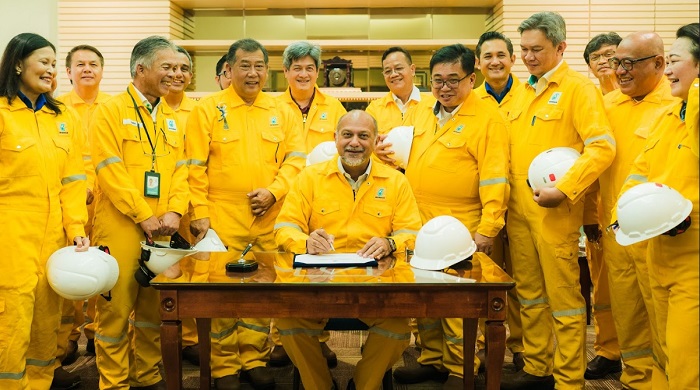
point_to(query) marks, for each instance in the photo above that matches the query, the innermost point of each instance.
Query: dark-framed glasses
(627, 63)
(451, 83)
(595, 57)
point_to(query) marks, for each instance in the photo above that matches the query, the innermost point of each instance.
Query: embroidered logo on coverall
(555, 98)
(380, 193)
(171, 124)
(459, 129)
(273, 121)
(324, 116)
(62, 128)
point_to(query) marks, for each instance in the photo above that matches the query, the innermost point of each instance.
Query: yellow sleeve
(294, 160)
(291, 226)
(591, 123)
(691, 118)
(179, 197)
(406, 220)
(114, 180)
(197, 149)
(73, 184)
(493, 156)
(590, 204)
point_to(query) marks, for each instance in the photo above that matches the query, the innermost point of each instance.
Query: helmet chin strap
(465, 264)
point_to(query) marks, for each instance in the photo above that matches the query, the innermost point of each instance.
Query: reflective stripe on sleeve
(107, 161)
(72, 178)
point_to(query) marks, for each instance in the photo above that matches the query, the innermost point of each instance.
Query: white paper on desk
(333, 258)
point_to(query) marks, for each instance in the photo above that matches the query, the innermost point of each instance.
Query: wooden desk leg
(203, 329)
(495, 351)
(469, 338)
(171, 349)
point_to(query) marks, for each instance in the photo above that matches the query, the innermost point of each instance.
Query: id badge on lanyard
(151, 184)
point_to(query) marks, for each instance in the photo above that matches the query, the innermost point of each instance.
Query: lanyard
(153, 146)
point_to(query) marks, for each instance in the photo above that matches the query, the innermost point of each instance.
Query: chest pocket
(451, 153)
(225, 147)
(272, 149)
(380, 211)
(19, 156)
(550, 114)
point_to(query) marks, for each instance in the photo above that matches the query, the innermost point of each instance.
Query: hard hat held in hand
(81, 275)
(550, 166)
(162, 256)
(442, 242)
(648, 210)
(321, 153)
(210, 243)
(401, 139)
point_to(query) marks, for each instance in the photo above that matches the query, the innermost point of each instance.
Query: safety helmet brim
(629, 239)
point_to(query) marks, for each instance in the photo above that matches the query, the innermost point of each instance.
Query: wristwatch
(392, 244)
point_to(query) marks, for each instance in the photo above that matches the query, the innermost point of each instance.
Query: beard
(353, 161)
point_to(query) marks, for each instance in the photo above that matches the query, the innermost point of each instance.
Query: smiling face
(495, 62)
(645, 74)
(448, 73)
(85, 69)
(38, 72)
(599, 61)
(183, 74)
(155, 81)
(302, 75)
(538, 53)
(682, 67)
(355, 139)
(248, 74)
(398, 74)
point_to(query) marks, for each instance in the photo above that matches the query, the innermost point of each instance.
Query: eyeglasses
(596, 56)
(626, 63)
(451, 83)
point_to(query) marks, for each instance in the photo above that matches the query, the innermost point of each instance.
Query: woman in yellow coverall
(670, 157)
(42, 203)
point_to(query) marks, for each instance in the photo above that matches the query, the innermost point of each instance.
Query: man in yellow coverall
(318, 114)
(643, 95)
(398, 70)
(42, 202)
(244, 149)
(348, 204)
(557, 107)
(495, 58)
(668, 157)
(84, 66)
(138, 149)
(458, 166)
(607, 360)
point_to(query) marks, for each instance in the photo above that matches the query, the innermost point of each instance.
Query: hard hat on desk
(81, 275)
(442, 242)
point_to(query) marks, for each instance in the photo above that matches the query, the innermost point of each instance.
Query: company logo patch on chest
(62, 128)
(554, 99)
(459, 129)
(273, 121)
(172, 126)
(380, 193)
(324, 116)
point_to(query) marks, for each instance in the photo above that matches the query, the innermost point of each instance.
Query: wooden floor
(347, 346)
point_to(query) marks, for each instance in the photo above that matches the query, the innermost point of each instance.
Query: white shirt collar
(444, 116)
(415, 95)
(145, 102)
(355, 184)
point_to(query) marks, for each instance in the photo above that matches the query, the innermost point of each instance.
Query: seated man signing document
(353, 206)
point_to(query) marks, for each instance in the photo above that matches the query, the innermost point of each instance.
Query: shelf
(221, 46)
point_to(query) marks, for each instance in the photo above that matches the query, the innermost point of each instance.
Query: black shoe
(64, 380)
(71, 353)
(351, 384)
(453, 383)
(521, 380)
(331, 357)
(260, 377)
(600, 366)
(191, 354)
(90, 347)
(518, 361)
(419, 374)
(160, 385)
(481, 354)
(279, 357)
(228, 382)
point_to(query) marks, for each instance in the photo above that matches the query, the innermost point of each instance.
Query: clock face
(336, 77)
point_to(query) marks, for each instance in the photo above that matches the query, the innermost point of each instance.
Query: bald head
(644, 54)
(358, 116)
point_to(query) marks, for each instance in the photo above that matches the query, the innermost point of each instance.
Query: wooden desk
(393, 289)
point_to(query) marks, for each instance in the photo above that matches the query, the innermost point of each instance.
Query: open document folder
(333, 260)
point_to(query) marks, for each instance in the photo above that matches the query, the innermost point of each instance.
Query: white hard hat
(322, 153)
(401, 139)
(162, 256)
(210, 243)
(648, 210)
(550, 166)
(81, 275)
(441, 242)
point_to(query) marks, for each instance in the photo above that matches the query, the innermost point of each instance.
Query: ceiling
(281, 4)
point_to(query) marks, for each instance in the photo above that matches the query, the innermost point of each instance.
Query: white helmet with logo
(648, 210)
(322, 153)
(401, 139)
(550, 166)
(443, 241)
(81, 275)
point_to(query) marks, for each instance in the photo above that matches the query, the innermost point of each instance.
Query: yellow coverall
(388, 114)
(568, 111)
(383, 206)
(72, 317)
(233, 149)
(667, 158)
(42, 199)
(459, 169)
(605, 343)
(501, 252)
(628, 275)
(319, 124)
(122, 155)
(691, 117)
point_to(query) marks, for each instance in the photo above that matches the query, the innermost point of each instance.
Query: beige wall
(37, 16)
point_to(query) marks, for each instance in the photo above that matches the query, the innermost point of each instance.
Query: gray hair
(183, 51)
(298, 50)
(145, 51)
(550, 23)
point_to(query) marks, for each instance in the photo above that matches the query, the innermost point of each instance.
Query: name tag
(131, 122)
